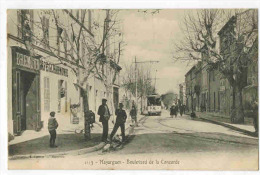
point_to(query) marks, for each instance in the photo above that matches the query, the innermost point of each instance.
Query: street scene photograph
(116, 89)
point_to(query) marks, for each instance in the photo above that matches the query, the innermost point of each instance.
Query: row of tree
(200, 42)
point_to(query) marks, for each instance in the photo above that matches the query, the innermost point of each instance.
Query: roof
(193, 67)
(231, 20)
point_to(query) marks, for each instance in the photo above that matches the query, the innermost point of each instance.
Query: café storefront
(26, 89)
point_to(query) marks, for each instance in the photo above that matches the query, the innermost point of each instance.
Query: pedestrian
(104, 114)
(176, 110)
(255, 116)
(184, 108)
(52, 126)
(133, 114)
(120, 122)
(172, 111)
(181, 109)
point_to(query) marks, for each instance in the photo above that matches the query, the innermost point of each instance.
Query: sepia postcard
(132, 89)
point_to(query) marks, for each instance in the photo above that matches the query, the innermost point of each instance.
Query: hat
(121, 104)
(104, 99)
(52, 113)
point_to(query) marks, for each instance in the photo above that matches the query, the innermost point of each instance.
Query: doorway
(28, 101)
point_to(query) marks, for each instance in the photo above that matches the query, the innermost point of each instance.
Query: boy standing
(52, 126)
(133, 114)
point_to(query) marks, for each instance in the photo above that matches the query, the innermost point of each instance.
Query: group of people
(104, 113)
(175, 109)
(121, 116)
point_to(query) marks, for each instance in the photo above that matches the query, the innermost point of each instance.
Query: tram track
(190, 135)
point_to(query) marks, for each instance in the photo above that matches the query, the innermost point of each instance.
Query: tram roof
(154, 95)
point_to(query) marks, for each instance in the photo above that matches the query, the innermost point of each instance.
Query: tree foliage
(169, 99)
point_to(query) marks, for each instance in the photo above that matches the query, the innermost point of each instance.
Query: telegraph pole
(136, 83)
(155, 79)
(140, 62)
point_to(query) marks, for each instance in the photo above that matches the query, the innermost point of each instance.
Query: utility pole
(136, 83)
(140, 62)
(155, 79)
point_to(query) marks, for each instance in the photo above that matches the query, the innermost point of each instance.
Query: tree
(144, 82)
(203, 34)
(84, 51)
(168, 99)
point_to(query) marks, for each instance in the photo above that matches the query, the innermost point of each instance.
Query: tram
(154, 104)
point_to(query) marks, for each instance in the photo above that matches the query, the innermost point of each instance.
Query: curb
(60, 154)
(249, 133)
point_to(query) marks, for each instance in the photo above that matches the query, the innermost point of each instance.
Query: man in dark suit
(120, 122)
(104, 114)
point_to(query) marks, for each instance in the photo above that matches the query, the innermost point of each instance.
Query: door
(16, 101)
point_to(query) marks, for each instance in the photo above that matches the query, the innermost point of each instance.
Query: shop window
(46, 94)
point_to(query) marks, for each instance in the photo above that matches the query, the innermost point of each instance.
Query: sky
(151, 37)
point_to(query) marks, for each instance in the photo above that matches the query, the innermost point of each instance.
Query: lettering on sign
(27, 61)
(34, 64)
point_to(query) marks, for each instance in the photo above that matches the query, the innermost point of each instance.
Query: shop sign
(27, 61)
(48, 67)
(35, 64)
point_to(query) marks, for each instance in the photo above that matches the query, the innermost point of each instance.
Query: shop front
(25, 91)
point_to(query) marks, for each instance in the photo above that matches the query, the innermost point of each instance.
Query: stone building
(40, 81)
(216, 92)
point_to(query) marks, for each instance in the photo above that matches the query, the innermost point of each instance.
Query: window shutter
(19, 22)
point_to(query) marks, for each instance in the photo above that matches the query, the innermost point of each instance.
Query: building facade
(41, 74)
(216, 92)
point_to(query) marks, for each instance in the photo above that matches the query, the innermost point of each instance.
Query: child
(133, 114)
(52, 126)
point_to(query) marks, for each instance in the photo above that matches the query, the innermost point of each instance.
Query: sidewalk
(246, 128)
(32, 144)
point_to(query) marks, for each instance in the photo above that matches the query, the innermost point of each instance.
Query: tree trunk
(110, 99)
(87, 131)
(141, 104)
(237, 113)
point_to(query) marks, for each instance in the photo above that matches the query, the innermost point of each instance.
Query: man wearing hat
(104, 114)
(52, 126)
(120, 122)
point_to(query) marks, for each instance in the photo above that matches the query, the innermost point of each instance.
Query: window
(77, 14)
(65, 44)
(46, 94)
(59, 33)
(22, 15)
(89, 20)
(61, 93)
(83, 13)
(45, 29)
(66, 97)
